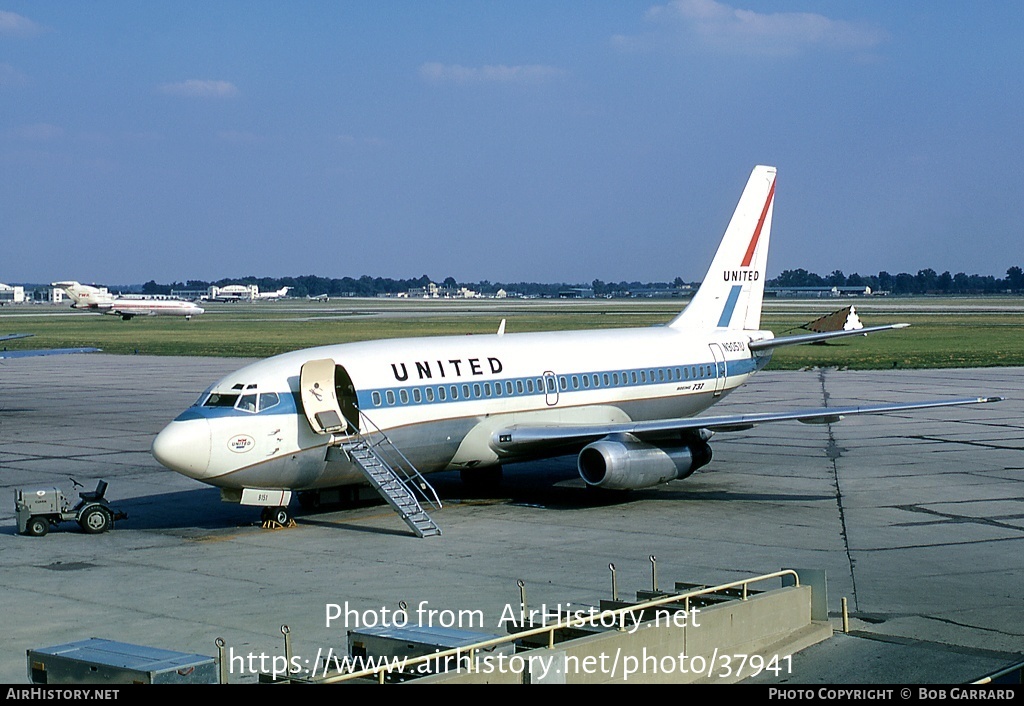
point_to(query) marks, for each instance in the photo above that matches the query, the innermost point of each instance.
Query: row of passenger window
(541, 385)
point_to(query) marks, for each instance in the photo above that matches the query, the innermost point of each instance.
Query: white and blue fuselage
(440, 399)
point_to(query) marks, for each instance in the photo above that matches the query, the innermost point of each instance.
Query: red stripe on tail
(757, 231)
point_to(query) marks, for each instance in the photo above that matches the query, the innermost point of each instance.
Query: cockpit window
(251, 401)
(268, 400)
(220, 400)
(202, 398)
(247, 403)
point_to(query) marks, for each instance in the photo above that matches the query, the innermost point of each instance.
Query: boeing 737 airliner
(624, 400)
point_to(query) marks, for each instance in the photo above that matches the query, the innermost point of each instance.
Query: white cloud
(195, 88)
(723, 27)
(13, 24)
(436, 72)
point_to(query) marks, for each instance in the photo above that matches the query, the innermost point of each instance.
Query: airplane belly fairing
(477, 449)
(675, 407)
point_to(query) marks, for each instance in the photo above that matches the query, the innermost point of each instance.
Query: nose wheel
(276, 518)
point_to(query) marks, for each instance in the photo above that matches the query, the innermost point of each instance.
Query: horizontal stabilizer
(815, 337)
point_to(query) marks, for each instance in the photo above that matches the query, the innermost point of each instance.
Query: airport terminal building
(11, 295)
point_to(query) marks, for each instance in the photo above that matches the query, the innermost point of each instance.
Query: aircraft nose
(184, 447)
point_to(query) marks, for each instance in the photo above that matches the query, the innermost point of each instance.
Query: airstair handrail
(412, 474)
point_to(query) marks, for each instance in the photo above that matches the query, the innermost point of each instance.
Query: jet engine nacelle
(623, 462)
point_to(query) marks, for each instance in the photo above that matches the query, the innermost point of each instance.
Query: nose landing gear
(276, 518)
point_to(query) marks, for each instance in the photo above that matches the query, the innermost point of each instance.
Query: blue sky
(507, 141)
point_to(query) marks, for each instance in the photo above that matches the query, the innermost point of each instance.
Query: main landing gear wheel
(95, 520)
(274, 517)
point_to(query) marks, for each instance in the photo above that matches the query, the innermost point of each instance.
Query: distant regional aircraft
(89, 297)
(623, 400)
(282, 292)
(38, 351)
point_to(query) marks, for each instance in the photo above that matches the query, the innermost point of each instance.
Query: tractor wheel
(37, 526)
(95, 520)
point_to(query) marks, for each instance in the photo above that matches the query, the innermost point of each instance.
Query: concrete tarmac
(917, 519)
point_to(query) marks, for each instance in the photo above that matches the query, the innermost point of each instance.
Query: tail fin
(84, 294)
(731, 294)
(72, 289)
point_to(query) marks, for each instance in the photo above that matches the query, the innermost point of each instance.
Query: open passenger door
(319, 397)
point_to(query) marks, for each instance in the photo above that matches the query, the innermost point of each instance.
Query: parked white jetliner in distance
(270, 296)
(126, 306)
(623, 400)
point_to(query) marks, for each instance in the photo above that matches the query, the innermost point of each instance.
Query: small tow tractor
(37, 509)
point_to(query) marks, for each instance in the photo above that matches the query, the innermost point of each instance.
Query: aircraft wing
(46, 351)
(12, 336)
(518, 437)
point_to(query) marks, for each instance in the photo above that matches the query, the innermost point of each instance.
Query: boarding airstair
(394, 477)
(331, 406)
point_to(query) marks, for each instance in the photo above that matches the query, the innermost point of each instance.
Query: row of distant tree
(924, 282)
